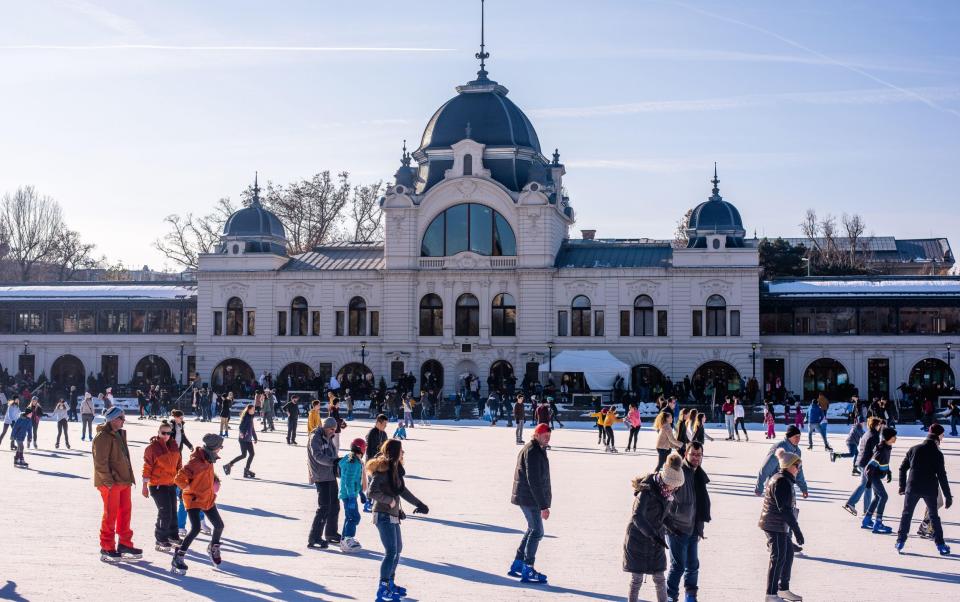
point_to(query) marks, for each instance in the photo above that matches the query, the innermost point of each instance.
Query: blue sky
(128, 111)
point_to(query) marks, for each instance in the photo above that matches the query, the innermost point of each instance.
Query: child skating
(353, 481)
(200, 486)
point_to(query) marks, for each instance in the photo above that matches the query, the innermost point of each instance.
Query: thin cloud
(735, 56)
(105, 18)
(181, 48)
(930, 102)
(874, 96)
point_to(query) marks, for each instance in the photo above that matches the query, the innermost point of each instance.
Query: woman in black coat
(645, 545)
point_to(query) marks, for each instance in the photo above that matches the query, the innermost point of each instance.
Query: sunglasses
(165, 433)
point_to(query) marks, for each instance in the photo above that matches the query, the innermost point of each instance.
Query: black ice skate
(213, 550)
(129, 552)
(177, 565)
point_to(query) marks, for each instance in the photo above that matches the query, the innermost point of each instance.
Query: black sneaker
(129, 552)
(320, 544)
(334, 539)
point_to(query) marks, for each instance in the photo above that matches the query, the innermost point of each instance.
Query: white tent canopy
(599, 366)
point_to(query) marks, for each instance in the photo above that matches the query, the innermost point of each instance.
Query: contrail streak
(224, 48)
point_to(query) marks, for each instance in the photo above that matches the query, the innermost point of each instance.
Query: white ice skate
(350, 545)
(789, 595)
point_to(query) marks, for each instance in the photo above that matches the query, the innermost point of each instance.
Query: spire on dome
(405, 156)
(483, 55)
(716, 190)
(556, 156)
(256, 191)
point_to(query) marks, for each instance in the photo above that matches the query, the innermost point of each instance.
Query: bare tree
(680, 238)
(835, 249)
(310, 210)
(30, 223)
(191, 235)
(366, 214)
(70, 254)
(854, 226)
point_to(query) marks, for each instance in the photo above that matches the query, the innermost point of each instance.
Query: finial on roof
(405, 156)
(556, 156)
(256, 191)
(483, 55)
(468, 129)
(716, 190)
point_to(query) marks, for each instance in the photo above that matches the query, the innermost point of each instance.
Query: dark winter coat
(387, 485)
(779, 512)
(321, 457)
(21, 427)
(224, 407)
(375, 440)
(855, 434)
(519, 411)
(531, 479)
(543, 414)
(868, 444)
(248, 432)
(179, 433)
(645, 545)
(690, 508)
(922, 470)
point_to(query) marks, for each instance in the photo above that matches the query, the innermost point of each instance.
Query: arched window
(468, 227)
(580, 316)
(503, 321)
(643, 316)
(299, 317)
(234, 316)
(468, 165)
(358, 317)
(431, 316)
(716, 316)
(468, 316)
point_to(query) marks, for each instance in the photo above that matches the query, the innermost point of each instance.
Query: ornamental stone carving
(234, 289)
(357, 289)
(580, 287)
(642, 287)
(716, 287)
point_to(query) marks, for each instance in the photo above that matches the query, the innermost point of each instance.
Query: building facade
(478, 274)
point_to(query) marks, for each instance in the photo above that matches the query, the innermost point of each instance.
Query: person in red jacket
(161, 463)
(200, 486)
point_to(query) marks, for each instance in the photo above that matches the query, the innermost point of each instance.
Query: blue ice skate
(516, 569)
(530, 575)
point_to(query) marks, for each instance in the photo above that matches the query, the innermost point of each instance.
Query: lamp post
(26, 345)
(753, 358)
(363, 353)
(181, 365)
(949, 367)
(550, 361)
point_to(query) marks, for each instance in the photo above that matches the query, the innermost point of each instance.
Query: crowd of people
(670, 509)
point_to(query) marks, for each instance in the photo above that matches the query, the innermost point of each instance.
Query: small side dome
(253, 229)
(715, 216)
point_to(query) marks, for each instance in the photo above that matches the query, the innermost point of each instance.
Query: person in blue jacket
(21, 428)
(817, 417)
(771, 466)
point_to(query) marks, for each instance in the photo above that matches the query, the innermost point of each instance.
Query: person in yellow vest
(313, 417)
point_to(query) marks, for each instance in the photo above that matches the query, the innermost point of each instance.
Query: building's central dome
(483, 110)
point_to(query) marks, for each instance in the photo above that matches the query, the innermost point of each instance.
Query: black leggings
(608, 432)
(738, 422)
(600, 433)
(662, 457)
(246, 451)
(291, 429)
(632, 439)
(62, 430)
(194, 514)
(781, 561)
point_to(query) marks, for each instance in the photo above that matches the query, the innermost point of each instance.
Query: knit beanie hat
(541, 429)
(792, 431)
(212, 442)
(672, 472)
(787, 459)
(113, 413)
(888, 433)
(936, 429)
(330, 422)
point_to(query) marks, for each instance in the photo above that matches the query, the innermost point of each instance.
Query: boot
(789, 595)
(879, 527)
(867, 522)
(516, 569)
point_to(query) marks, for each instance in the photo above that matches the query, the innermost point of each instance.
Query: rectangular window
(339, 324)
(878, 377)
(929, 320)
(138, 317)
(776, 321)
(734, 322)
(110, 368)
(315, 323)
(661, 323)
(54, 320)
(69, 322)
(562, 323)
(189, 320)
(6, 322)
(324, 372)
(152, 324)
(29, 321)
(877, 320)
(396, 371)
(716, 322)
(282, 323)
(251, 323)
(624, 322)
(191, 367)
(697, 323)
(598, 323)
(374, 323)
(217, 323)
(85, 321)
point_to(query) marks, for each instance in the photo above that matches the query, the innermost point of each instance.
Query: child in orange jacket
(200, 486)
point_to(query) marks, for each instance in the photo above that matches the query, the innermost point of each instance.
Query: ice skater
(790, 443)
(532, 492)
(922, 473)
(666, 442)
(865, 448)
(878, 469)
(247, 438)
(11, 413)
(322, 468)
(60, 414)
(778, 519)
(200, 486)
(353, 481)
(853, 444)
(161, 463)
(113, 478)
(21, 427)
(634, 421)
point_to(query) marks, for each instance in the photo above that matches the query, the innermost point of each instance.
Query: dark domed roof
(254, 221)
(484, 110)
(716, 214)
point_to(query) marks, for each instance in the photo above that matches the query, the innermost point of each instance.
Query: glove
(889, 477)
(948, 502)
(902, 492)
(799, 537)
(421, 509)
(363, 498)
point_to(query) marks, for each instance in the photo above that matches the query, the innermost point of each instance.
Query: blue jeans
(861, 490)
(879, 502)
(953, 426)
(683, 558)
(392, 546)
(182, 511)
(351, 517)
(532, 536)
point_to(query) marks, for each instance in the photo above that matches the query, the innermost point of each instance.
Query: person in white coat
(86, 417)
(9, 417)
(738, 414)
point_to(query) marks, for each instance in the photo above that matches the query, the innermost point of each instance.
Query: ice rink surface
(463, 548)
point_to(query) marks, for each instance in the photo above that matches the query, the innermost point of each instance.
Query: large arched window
(716, 316)
(503, 321)
(580, 316)
(234, 316)
(468, 316)
(358, 317)
(643, 316)
(468, 227)
(299, 317)
(431, 316)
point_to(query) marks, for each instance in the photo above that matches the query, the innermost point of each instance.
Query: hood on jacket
(643, 483)
(199, 454)
(378, 464)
